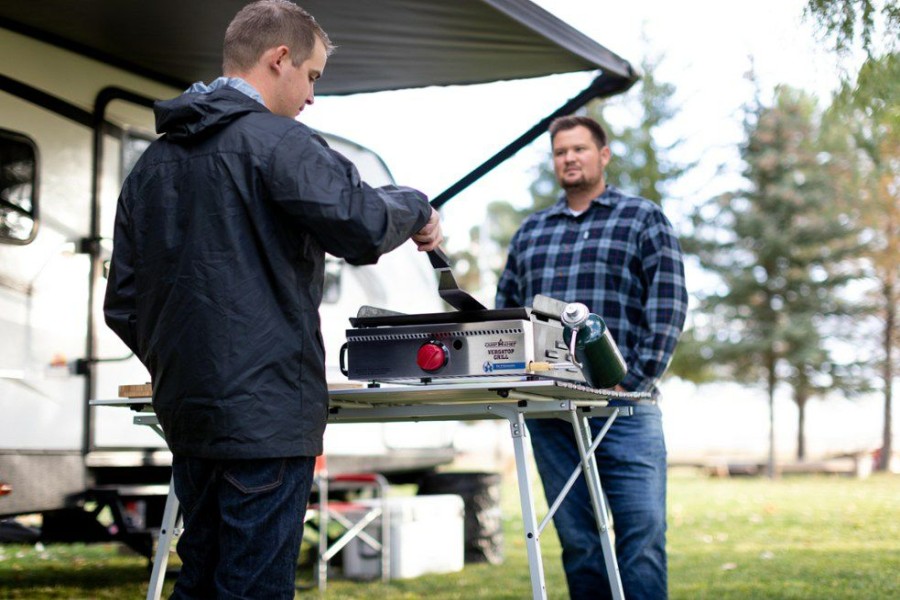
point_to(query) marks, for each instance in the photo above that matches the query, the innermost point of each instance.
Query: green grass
(71, 571)
(800, 537)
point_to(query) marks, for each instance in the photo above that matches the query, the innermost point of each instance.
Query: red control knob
(432, 356)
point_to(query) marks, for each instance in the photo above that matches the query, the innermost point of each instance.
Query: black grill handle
(341, 356)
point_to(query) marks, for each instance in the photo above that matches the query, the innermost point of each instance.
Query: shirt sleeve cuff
(635, 383)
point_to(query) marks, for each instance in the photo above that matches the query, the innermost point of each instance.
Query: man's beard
(580, 184)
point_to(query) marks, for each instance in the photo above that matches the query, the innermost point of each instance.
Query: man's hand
(430, 236)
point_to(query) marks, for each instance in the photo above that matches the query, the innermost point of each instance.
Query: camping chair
(353, 517)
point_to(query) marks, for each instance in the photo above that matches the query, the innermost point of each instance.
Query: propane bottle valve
(574, 315)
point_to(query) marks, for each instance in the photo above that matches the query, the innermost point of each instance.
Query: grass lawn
(799, 537)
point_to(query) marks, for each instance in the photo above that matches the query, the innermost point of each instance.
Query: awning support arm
(600, 87)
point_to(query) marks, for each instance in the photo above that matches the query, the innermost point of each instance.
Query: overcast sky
(432, 137)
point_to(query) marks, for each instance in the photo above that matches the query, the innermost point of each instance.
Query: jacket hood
(193, 116)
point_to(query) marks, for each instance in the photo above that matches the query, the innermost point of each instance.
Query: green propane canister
(592, 348)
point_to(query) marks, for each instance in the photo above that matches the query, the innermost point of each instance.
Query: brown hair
(267, 24)
(572, 121)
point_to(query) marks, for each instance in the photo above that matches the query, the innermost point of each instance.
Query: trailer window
(18, 188)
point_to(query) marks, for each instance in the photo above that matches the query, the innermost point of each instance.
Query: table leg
(167, 532)
(532, 533)
(598, 501)
(323, 558)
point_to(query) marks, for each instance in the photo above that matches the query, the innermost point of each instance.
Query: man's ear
(605, 155)
(276, 58)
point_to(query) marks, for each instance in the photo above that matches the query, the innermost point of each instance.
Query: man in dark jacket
(215, 283)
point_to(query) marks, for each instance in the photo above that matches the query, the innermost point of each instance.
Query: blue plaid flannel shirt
(622, 259)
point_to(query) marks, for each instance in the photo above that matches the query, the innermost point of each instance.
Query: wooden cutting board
(142, 390)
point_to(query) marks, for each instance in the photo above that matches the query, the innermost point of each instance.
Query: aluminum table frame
(514, 401)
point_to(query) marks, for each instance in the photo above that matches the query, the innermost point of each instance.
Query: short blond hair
(266, 24)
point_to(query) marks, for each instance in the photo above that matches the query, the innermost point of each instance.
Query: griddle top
(459, 316)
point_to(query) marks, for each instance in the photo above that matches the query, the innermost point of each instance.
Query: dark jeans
(632, 464)
(243, 520)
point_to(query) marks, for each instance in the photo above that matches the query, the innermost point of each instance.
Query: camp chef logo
(501, 349)
(501, 355)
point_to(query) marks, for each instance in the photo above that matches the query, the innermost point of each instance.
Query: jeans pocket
(254, 476)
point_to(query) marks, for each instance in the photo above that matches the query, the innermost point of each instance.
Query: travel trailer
(77, 85)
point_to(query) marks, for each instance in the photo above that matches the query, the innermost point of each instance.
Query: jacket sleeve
(349, 218)
(120, 305)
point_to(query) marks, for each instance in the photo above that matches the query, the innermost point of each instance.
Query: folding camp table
(514, 401)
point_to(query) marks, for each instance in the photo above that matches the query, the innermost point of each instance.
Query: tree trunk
(884, 458)
(770, 465)
(801, 398)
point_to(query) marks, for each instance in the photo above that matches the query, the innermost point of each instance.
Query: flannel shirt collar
(607, 198)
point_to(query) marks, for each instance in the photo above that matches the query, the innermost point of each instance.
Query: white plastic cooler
(426, 537)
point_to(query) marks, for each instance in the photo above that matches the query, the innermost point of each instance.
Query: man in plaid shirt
(619, 255)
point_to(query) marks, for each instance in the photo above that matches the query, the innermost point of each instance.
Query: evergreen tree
(642, 166)
(850, 22)
(867, 114)
(779, 249)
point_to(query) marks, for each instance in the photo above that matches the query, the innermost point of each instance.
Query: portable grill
(386, 346)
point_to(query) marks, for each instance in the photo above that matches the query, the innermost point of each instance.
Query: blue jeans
(632, 464)
(243, 520)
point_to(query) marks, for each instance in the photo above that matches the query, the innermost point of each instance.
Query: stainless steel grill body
(501, 348)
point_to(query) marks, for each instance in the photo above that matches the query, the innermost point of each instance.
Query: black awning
(382, 44)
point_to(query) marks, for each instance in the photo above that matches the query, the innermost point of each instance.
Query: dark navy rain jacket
(218, 265)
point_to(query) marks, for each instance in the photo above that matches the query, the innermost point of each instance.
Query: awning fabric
(382, 44)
